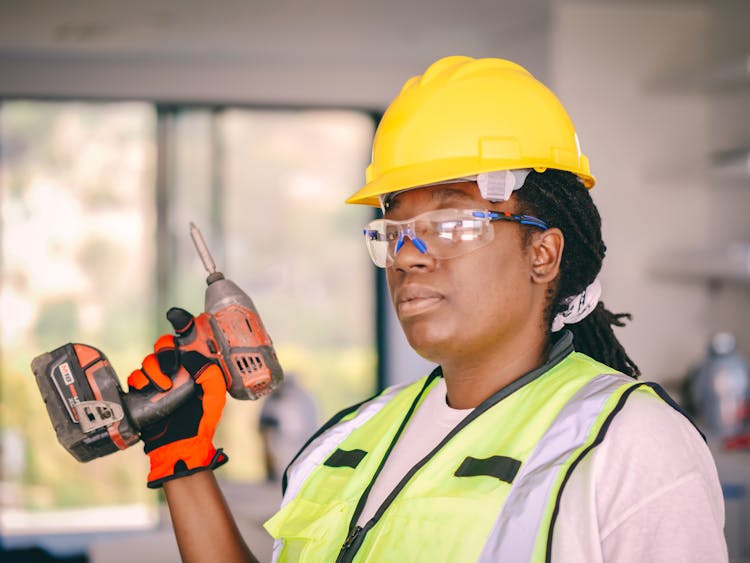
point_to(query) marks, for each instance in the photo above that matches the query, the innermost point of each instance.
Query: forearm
(203, 525)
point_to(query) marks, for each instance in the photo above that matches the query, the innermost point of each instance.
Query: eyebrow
(442, 194)
(438, 194)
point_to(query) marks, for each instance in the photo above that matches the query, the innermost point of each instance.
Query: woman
(532, 440)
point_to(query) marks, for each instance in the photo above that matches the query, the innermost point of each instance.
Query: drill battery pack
(84, 401)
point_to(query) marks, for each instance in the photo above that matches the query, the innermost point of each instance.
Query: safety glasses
(444, 233)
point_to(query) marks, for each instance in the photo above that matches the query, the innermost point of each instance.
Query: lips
(415, 299)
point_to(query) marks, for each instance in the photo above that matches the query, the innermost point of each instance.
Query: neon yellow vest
(488, 492)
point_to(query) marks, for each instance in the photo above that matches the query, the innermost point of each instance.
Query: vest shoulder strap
(322, 444)
(524, 515)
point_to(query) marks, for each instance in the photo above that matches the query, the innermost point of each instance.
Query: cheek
(389, 281)
(496, 285)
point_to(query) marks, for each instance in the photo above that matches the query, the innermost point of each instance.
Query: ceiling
(279, 30)
(342, 51)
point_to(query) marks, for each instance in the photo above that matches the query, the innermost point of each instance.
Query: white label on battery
(67, 375)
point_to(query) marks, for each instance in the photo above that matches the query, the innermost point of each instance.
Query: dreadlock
(559, 199)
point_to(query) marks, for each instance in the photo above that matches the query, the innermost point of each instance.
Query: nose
(411, 254)
(418, 243)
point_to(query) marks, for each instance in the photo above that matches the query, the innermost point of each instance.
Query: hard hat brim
(426, 174)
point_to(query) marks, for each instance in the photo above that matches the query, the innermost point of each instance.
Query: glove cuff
(180, 459)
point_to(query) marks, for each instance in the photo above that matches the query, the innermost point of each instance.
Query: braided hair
(559, 199)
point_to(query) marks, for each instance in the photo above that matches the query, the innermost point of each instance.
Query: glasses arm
(506, 216)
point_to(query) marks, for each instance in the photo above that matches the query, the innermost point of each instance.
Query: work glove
(181, 443)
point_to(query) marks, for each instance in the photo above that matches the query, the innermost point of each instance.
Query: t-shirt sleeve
(648, 493)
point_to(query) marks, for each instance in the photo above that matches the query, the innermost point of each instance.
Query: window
(78, 223)
(277, 226)
(96, 202)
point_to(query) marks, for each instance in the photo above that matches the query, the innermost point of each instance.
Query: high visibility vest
(490, 491)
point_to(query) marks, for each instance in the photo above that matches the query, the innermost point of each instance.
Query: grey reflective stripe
(514, 535)
(323, 446)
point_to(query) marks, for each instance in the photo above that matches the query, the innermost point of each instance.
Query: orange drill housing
(236, 338)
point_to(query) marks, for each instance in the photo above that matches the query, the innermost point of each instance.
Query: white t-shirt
(648, 493)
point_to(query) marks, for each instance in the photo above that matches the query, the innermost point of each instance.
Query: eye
(472, 228)
(460, 230)
(391, 234)
(446, 229)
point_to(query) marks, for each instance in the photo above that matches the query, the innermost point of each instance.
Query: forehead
(417, 200)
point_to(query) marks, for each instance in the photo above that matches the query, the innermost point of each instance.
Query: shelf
(732, 164)
(728, 264)
(734, 72)
(725, 75)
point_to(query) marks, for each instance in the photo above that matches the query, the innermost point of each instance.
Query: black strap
(659, 390)
(598, 440)
(499, 466)
(345, 458)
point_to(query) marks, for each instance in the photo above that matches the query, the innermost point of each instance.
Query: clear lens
(375, 239)
(444, 233)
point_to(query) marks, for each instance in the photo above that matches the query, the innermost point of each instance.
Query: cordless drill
(91, 414)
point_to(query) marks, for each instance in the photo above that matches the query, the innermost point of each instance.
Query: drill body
(91, 414)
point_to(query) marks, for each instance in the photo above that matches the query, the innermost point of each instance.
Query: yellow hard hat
(468, 116)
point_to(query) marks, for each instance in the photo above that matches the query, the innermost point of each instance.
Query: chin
(431, 344)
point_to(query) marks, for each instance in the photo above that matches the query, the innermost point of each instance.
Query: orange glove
(181, 443)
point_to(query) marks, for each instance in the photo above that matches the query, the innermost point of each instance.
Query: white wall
(729, 129)
(632, 78)
(636, 79)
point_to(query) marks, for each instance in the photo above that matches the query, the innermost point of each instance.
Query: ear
(546, 253)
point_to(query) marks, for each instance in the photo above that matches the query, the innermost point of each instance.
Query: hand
(181, 443)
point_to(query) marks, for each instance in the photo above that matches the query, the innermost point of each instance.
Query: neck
(473, 378)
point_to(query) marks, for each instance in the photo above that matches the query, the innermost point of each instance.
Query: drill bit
(200, 246)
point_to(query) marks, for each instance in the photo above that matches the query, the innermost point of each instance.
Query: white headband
(579, 306)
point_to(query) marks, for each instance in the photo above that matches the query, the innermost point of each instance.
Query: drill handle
(193, 334)
(150, 405)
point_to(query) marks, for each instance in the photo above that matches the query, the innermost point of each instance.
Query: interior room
(123, 123)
